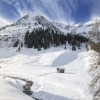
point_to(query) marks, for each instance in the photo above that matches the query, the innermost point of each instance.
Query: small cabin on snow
(60, 70)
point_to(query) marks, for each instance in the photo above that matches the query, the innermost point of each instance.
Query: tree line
(45, 38)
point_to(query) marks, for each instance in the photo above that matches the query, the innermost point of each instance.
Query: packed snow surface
(40, 68)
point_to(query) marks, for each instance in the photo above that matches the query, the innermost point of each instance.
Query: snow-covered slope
(28, 22)
(40, 67)
(82, 29)
(75, 29)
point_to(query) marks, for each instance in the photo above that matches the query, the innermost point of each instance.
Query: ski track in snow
(40, 67)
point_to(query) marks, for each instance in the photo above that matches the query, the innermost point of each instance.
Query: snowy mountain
(82, 29)
(38, 21)
(28, 22)
(10, 33)
(17, 30)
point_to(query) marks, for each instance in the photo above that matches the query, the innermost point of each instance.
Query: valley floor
(40, 68)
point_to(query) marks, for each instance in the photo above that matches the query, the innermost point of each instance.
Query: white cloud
(3, 21)
(93, 17)
(51, 8)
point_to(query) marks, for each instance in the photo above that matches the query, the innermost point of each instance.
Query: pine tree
(65, 46)
(16, 43)
(73, 48)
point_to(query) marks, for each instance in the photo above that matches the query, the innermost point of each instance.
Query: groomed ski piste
(40, 68)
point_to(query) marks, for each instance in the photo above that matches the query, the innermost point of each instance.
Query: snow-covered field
(40, 68)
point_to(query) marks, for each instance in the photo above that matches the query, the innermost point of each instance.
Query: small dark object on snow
(73, 48)
(99, 63)
(60, 70)
(27, 88)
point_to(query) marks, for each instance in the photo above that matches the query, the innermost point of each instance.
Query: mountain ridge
(29, 22)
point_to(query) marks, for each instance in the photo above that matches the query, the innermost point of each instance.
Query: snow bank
(9, 91)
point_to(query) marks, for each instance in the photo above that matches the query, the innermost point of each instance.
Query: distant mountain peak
(31, 22)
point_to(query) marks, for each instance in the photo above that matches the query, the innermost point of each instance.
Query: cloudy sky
(69, 11)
